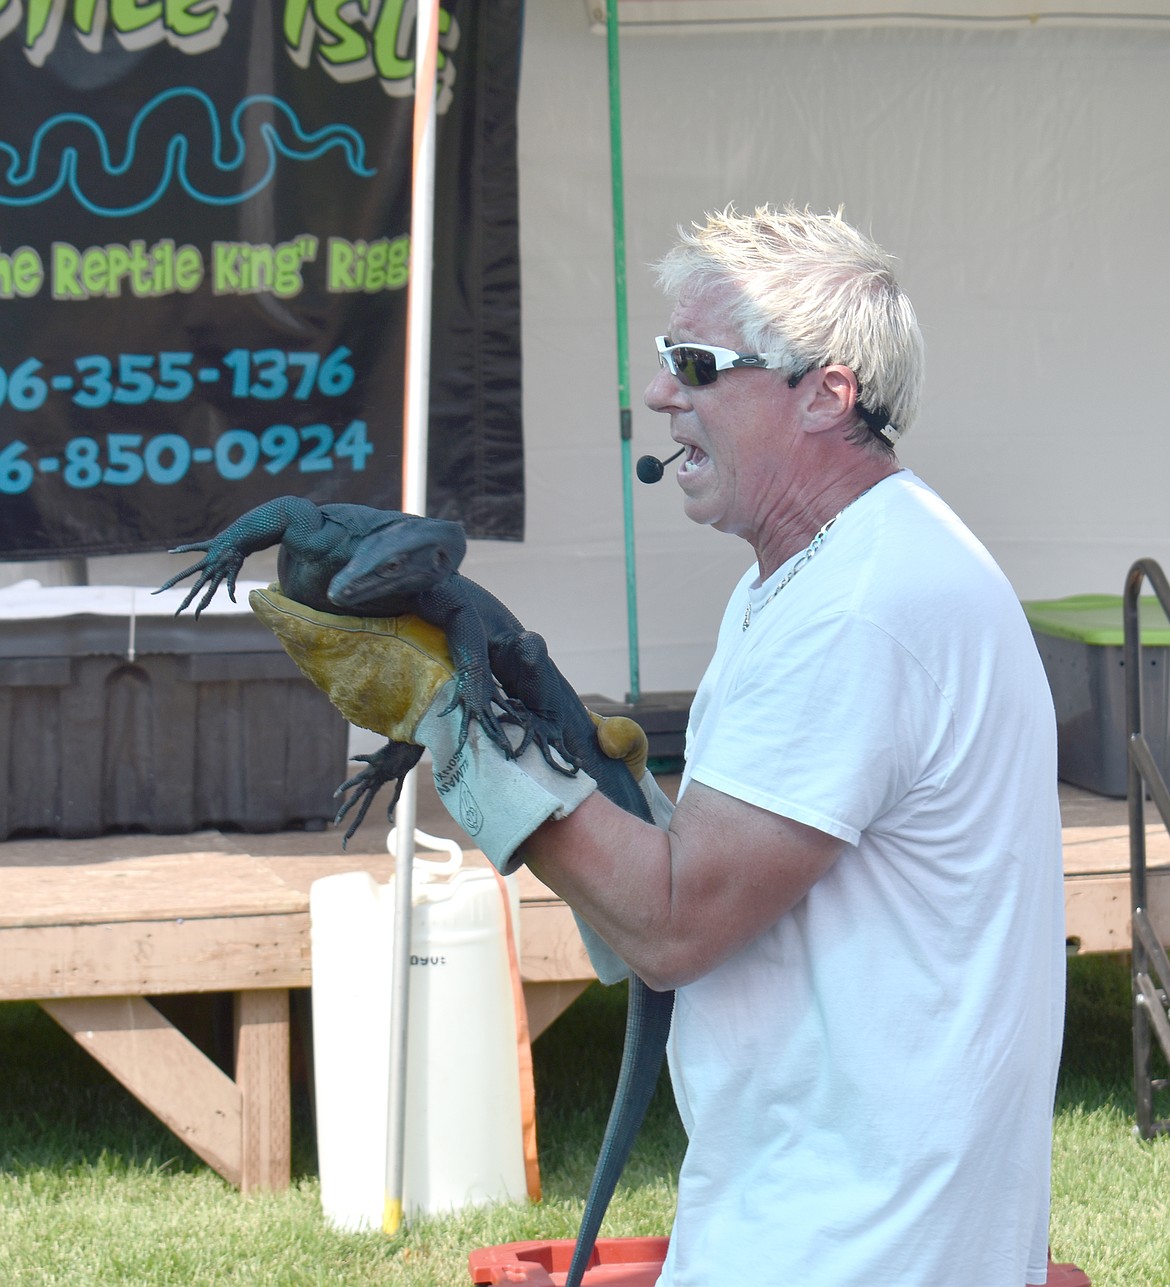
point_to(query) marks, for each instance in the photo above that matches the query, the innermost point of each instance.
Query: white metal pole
(414, 500)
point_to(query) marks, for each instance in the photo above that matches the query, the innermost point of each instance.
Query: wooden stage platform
(92, 930)
(1096, 870)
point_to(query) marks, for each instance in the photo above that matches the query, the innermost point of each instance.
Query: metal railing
(1151, 968)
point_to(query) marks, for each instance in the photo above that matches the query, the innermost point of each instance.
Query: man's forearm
(676, 903)
(615, 871)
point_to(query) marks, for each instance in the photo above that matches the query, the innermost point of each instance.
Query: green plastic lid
(1096, 619)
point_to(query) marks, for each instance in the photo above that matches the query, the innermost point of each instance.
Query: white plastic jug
(464, 1141)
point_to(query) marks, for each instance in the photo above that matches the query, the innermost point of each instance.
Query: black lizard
(358, 560)
(351, 558)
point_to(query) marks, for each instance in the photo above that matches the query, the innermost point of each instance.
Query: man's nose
(664, 392)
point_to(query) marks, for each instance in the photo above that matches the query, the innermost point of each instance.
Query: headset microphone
(650, 469)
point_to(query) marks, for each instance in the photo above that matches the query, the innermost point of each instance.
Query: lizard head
(400, 559)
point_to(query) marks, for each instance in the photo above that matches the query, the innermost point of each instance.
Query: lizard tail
(647, 1025)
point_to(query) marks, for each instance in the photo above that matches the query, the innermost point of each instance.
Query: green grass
(1111, 1190)
(93, 1190)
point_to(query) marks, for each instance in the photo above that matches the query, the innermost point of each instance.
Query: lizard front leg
(530, 677)
(500, 662)
(256, 530)
(448, 605)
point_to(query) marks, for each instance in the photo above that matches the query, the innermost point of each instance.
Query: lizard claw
(545, 734)
(220, 565)
(389, 764)
(552, 746)
(535, 700)
(477, 697)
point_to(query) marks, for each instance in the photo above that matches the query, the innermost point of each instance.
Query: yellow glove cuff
(382, 673)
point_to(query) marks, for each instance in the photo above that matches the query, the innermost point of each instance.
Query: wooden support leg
(241, 1127)
(161, 1068)
(547, 1001)
(263, 1078)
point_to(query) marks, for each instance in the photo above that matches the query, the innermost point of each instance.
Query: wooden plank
(78, 852)
(1099, 850)
(162, 1069)
(551, 947)
(227, 954)
(546, 1002)
(262, 1075)
(300, 869)
(142, 888)
(1097, 910)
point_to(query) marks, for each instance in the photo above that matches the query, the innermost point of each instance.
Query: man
(859, 896)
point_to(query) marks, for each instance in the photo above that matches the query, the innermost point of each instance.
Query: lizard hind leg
(391, 763)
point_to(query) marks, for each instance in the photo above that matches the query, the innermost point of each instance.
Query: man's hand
(394, 675)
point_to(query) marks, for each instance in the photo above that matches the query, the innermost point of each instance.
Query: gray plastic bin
(1080, 639)
(177, 726)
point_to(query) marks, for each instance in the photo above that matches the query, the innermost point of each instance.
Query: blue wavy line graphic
(302, 145)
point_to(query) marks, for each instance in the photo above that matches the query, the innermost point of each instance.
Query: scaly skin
(370, 562)
(339, 558)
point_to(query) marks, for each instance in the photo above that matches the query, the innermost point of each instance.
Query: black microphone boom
(650, 469)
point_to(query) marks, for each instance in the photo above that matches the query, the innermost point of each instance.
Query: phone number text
(132, 379)
(122, 459)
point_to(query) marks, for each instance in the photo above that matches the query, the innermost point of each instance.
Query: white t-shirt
(867, 1087)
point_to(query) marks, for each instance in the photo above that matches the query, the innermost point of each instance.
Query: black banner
(204, 255)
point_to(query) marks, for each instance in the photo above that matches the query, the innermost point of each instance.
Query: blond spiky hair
(813, 291)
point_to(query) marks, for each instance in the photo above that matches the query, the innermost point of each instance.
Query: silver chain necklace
(805, 556)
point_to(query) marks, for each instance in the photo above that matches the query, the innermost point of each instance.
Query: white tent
(1021, 171)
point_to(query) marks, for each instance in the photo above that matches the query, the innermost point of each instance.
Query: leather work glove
(395, 676)
(382, 673)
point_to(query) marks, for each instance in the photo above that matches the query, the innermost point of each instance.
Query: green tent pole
(619, 277)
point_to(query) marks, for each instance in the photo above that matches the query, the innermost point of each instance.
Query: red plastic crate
(616, 1262)
(1064, 1275)
(621, 1262)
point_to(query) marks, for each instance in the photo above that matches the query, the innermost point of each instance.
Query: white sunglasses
(698, 364)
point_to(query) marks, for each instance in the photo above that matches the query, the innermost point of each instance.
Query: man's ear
(833, 396)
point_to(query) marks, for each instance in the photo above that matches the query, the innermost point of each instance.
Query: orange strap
(523, 1052)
